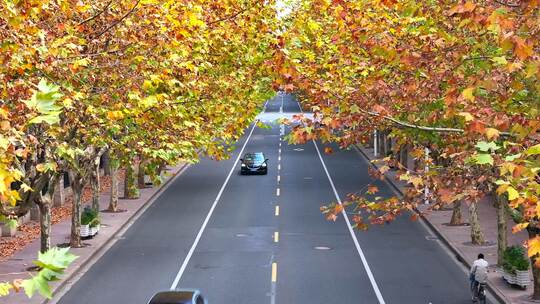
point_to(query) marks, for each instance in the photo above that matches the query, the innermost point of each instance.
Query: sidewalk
(113, 225)
(457, 238)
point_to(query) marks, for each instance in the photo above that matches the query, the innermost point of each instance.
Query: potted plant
(516, 266)
(89, 222)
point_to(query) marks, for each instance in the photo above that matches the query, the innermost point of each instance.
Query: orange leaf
(522, 49)
(372, 189)
(517, 228)
(533, 246)
(328, 150)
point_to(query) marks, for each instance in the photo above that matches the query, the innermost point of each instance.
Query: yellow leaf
(533, 246)
(468, 116)
(512, 193)
(468, 93)
(492, 133)
(502, 189)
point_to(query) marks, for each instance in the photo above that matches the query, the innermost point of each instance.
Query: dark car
(187, 296)
(254, 163)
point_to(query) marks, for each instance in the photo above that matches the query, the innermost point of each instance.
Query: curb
(494, 291)
(103, 248)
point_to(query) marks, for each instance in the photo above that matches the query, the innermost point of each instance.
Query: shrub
(89, 217)
(514, 259)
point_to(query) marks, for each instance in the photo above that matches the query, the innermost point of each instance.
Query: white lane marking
(276, 212)
(279, 167)
(276, 237)
(280, 144)
(198, 238)
(278, 178)
(279, 150)
(353, 235)
(281, 107)
(279, 158)
(277, 192)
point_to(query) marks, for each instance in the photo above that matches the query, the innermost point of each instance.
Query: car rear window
(258, 157)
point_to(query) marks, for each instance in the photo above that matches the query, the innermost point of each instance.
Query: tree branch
(96, 15)
(119, 20)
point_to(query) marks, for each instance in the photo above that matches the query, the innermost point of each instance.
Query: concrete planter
(85, 230)
(520, 278)
(94, 230)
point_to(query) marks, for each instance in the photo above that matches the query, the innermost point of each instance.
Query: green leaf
(499, 60)
(534, 150)
(483, 159)
(485, 146)
(56, 259)
(512, 193)
(512, 157)
(39, 284)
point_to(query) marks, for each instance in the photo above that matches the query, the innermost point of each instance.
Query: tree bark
(95, 183)
(456, 219)
(140, 175)
(76, 186)
(106, 164)
(45, 224)
(113, 203)
(477, 236)
(502, 232)
(131, 191)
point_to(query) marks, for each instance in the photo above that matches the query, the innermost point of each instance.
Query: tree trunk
(140, 175)
(456, 219)
(95, 183)
(45, 224)
(76, 186)
(106, 164)
(533, 232)
(502, 236)
(477, 236)
(131, 191)
(113, 203)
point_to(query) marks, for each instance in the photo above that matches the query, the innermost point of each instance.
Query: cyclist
(478, 274)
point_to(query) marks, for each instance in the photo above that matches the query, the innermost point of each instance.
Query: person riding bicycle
(478, 274)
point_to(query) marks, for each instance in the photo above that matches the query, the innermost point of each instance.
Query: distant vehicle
(185, 296)
(254, 163)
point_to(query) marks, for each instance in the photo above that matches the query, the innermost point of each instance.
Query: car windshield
(254, 157)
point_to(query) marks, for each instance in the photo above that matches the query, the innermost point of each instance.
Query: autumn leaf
(517, 228)
(522, 49)
(492, 133)
(533, 246)
(328, 150)
(372, 189)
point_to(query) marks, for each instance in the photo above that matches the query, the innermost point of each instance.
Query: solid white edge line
(203, 227)
(353, 235)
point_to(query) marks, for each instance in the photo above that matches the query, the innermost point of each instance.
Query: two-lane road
(262, 239)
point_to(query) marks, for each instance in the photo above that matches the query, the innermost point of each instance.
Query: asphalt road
(262, 239)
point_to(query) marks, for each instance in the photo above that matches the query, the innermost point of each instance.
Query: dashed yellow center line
(277, 192)
(276, 212)
(276, 237)
(274, 272)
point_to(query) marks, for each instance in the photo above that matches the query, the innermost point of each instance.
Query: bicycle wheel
(481, 295)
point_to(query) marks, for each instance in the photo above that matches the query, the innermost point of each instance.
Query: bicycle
(480, 294)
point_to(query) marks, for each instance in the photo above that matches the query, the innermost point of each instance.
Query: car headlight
(263, 165)
(243, 165)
